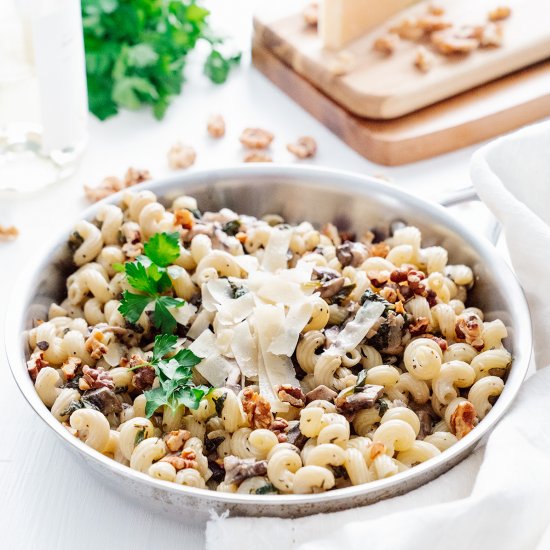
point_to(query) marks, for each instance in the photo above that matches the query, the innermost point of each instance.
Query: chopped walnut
(408, 29)
(175, 439)
(184, 218)
(36, 363)
(449, 42)
(490, 35)
(441, 342)
(95, 378)
(423, 59)
(463, 419)
(216, 126)
(377, 449)
(304, 148)
(95, 346)
(389, 294)
(256, 138)
(420, 326)
(470, 330)
(132, 250)
(70, 367)
(112, 184)
(134, 176)
(257, 156)
(499, 13)
(291, 394)
(279, 427)
(386, 44)
(187, 459)
(342, 63)
(311, 14)
(8, 233)
(399, 307)
(181, 156)
(432, 23)
(257, 409)
(435, 9)
(379, 250)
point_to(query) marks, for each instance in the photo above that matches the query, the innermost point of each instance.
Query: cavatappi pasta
(332, 361)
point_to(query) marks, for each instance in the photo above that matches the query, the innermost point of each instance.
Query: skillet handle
(475, 215)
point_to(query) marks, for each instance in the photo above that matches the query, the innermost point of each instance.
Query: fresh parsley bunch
(136, 51)
(174, 374)
(149, 275)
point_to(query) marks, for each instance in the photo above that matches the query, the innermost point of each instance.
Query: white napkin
(506, 505)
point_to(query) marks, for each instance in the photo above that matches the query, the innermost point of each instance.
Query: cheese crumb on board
(342, 21)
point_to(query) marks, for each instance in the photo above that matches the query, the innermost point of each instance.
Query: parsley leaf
(148, 274)
(175, 377)
(163, 248)
(132, 305)
(136, 52)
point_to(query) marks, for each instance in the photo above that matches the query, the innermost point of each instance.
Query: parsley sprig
(136, 52)
(148, 275)
(175, 376)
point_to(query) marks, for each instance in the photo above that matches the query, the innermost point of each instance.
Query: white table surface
(47, 501)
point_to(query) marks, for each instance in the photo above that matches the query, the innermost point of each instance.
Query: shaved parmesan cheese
(275, 254)
(297, 318)
(204, 345)
(184, 313)
(277, 291)
(208, 301)
(245, 350)
(301, 273)
(356, 330)
(269, 322)
(200, 324)
(236, 310)
(215, 369)
(248, 263)
(266, 389)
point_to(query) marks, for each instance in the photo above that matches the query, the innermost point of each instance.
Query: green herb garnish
(175, 376)
(148, 275)
(136, 52)
(266, 489)
(232, 227)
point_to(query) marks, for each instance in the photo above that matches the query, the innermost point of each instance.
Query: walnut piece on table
(216, 126)
(342, 63)
(408, 29)
(499, 13)
(490, 35)
(304, 148)
(181, 156)
(449, 42)
(8, 233)
(436, 9)
(256, 138)
(386, 43)
(113, 184)
(433, 23)
(257, 156)
(423, 59)
(311, 14)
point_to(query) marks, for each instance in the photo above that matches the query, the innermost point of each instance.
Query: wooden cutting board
(387, 87)
(473, 116)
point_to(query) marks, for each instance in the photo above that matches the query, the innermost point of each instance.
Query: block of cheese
(341, 21)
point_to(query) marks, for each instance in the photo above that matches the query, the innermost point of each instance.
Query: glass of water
(43, 98)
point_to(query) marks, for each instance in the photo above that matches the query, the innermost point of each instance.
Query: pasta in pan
(224, 352)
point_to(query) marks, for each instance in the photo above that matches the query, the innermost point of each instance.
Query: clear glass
(37, 146)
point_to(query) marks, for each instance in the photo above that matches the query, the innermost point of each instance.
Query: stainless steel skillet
(318, 195)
